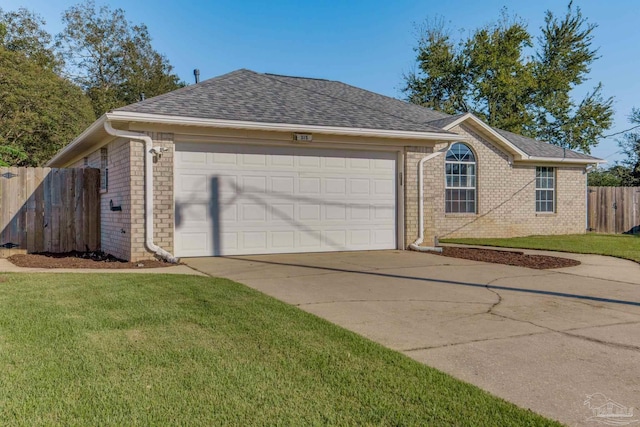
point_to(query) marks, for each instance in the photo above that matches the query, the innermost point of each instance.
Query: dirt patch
(540, 262)
(94, 260)
(3, 279)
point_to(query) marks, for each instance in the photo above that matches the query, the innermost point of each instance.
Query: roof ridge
(273, 76)
(298, 77)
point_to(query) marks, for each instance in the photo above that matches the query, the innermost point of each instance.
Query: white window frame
(453, 184)
(104, 169)
(545, 185)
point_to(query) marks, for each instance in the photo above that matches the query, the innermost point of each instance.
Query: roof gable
(523, 147)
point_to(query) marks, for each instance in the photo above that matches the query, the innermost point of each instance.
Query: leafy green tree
(501, 84)
(111, 58)
(492, 75)
(440, 83)
(22, 31)
(40, 112)
(630, 145)
(563, 64)
(611, 177)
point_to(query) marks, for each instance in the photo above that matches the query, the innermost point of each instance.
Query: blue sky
(368, 44)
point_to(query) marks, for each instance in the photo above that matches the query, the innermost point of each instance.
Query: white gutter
(148, 190)
(282, 127)
(563, 160)
(416, 245)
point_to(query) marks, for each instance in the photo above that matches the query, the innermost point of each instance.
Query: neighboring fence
(49, 210)
(614, 209)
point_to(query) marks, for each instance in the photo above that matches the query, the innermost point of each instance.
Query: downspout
(587, 169)
(148, 190)
(416, 245)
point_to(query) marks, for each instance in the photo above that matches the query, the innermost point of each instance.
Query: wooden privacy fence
(614, 209)
(49, 210)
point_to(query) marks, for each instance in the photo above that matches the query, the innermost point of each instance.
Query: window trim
(538, 190)
(104, 170)
(474, 188)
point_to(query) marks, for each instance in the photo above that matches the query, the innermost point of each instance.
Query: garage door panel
(335, 212)
(229, 214)
(360, 238)
(282, 213)
(254, 184)
(335, 186)
(254, 160)
(222, 159)
(333, 163)
(308, 162)
(384, 186)
(384, 236)
(195, 213)
(308, 212)
(282, 199)
(193, 184)
(283, 185)
(283, 239)
(335, 238)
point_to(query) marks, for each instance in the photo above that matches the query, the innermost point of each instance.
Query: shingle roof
(537, 148)
(245, 95)
(442, 122)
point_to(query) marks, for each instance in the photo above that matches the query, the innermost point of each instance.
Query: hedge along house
(250, 163)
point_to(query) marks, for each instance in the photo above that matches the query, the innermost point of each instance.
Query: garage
(250, 199)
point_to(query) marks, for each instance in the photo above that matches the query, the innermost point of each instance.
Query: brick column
(163, 211)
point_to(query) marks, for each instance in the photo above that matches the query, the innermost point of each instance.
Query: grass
(616, 245)
(175, 350)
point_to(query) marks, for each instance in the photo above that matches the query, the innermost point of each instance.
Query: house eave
(85, 138)
(533, 159)
(489, 130)
(279, 127)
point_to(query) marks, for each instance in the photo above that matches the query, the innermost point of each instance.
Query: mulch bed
(100, 260)
(94, 260)
(540, 262)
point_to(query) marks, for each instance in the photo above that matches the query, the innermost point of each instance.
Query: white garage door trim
(275, 199)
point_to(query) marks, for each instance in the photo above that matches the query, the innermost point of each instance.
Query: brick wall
(115, 226)
(412, 157)
(162, 201)
(123, 232)
(505, 197)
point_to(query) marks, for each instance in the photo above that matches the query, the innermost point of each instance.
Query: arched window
(460, 179)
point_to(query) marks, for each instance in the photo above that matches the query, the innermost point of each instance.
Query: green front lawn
(616, 245)
(175, 350)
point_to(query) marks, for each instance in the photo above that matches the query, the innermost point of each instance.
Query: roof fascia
(283, 127)
(563, 160)
(488, 129)
(98, 124)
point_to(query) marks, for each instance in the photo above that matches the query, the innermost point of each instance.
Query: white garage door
(235, 200)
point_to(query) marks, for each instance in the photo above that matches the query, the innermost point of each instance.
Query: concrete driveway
(543, 340)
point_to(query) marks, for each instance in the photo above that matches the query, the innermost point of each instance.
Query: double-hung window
(545, 189)
(460, 180)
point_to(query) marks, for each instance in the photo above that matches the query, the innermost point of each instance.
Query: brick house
(251, 163)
